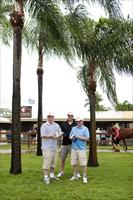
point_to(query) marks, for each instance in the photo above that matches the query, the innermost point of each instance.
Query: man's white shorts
(78, 155)
(49, 159)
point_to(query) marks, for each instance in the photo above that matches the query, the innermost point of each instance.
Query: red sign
(26, 111)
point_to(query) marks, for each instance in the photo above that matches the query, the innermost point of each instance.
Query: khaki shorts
(65, 150)
(78, 155)
(49, 159)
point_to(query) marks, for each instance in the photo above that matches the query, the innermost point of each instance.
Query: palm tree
(47, 33)
(107, 50)
(17, 21)
(102, 47)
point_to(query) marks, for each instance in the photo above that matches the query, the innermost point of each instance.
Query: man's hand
(57, 135)
(72, 137)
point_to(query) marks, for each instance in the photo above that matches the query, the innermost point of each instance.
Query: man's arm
(48, 136)
(44, 133)
(71, 134)
(84, 138)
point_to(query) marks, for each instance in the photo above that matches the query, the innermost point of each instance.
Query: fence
(26, 138)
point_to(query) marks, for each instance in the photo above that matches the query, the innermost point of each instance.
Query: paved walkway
(32, 150)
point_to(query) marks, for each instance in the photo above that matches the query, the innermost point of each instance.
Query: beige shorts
(78, 155)
(49, 159)
(65, 150)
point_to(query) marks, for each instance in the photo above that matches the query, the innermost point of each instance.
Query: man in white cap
(79, 136)
(66, 142)
(50, 133)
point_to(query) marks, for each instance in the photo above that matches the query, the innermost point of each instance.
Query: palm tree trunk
(16, 19)
(92, 161)
(40, 91)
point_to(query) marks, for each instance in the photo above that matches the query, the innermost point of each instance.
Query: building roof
(5, 120)
(100, 116)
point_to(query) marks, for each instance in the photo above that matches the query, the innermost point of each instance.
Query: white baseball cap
(116, 126)
(79, 119)
(50, 115)
(70, 113)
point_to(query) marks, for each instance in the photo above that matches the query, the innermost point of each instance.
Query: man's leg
(64, 153)
(83, 163)
(74, 163)
(75, 167)
(84, 174)
(46, 177)
(51, 172)
(45, 172)
(46, 165)
(52, 167)
(62, 165)
(84, 170)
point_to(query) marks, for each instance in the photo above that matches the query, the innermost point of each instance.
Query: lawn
(112, 180)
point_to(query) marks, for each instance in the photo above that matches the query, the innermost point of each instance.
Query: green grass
(112, 180)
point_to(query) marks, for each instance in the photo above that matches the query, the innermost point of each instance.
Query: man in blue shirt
(79, 136)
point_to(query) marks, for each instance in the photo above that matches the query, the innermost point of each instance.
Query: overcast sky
(61, 90)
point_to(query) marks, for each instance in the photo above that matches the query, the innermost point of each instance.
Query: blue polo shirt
(79, 131)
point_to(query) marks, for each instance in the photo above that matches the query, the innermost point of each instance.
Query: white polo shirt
(46, 129)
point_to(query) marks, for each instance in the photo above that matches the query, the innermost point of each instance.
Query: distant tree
(125, 106)
(5, 112)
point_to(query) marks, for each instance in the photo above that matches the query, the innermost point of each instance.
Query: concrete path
(32, 150)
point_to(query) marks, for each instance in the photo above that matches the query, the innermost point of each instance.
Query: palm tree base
(92, 164)
(15, 172)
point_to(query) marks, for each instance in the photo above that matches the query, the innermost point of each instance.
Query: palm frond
(5, 26)
(111, 7)
(50, 25)
(106, 79)
(82, 76)
(109, 45)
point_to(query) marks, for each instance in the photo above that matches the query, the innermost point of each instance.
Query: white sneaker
(85, 179)
(46, 180)
(78, 175)
(54, 178)
(73, 178)
(60, 174)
